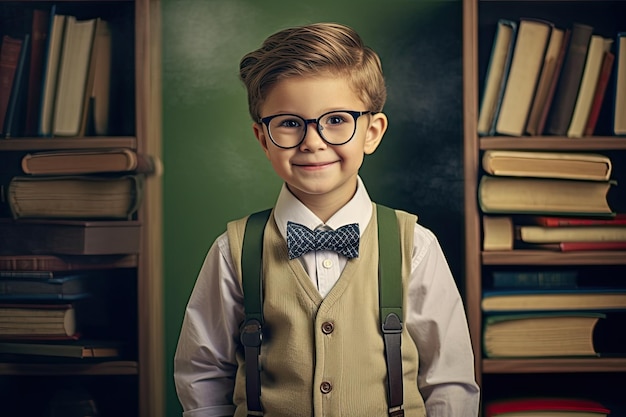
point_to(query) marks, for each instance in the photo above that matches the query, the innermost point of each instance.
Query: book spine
(9, 57)
(13, 118)
(570, 78)
(598, 99)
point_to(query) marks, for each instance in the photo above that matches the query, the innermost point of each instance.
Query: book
(497, 233)
(619, 106)
(552, 84)
(548, 68)
(579, 246)
(9, 57)
(497, 72)
(540, 335)
(80, 162)
(81, 349)
(566, 165)
(528, 56)
(52, 58)
(49, 264)
(69, 237)
(15, 112)
(75, 197)
(38, 41)
(600, 91)
(73, 71)
(600, 299)
(550, 234)
(97, 99)
(555, 221)
(535, 279)
(569, 80)
(34, 287)
(520, 195)
(37, 320)
(598, 47)
(545, 407)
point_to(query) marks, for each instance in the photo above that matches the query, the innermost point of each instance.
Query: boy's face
(315, 171)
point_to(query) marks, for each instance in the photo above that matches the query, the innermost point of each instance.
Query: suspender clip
(392, 324)
(251, 333)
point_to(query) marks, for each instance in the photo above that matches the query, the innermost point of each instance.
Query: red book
(38, 38)
(9, 55)
(504, 407)
(555, 221)
(593, 246)
(598, 98)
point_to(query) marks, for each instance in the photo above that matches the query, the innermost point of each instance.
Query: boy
(315, 94)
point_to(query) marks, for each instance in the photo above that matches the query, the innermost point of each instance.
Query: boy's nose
(312, 137)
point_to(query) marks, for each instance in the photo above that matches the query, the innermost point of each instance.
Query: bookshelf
(133, 383)
(591, 377)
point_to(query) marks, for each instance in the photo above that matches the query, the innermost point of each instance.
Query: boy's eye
(334, 119)
(290, 123)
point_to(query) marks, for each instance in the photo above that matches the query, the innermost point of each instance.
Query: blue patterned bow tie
(344, 240)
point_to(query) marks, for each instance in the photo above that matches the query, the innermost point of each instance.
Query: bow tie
(344, 240)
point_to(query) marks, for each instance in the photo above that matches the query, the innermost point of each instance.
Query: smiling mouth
(314, 165)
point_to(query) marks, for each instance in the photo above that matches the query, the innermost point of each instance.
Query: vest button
(327, 327)
(326, 387)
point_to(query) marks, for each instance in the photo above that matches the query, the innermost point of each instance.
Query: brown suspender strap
(390, 288)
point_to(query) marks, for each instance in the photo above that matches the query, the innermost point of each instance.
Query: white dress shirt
(205, 364)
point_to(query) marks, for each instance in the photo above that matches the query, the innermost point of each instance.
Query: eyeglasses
(289, 130)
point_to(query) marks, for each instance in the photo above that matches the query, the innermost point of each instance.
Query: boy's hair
(313, 50)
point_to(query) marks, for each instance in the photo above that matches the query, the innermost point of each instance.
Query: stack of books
(549, 200)
(46, 312)
(80, 184)
(546, 80)
(551, 312)
(57, 77)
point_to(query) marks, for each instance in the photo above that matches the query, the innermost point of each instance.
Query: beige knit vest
(324, 357)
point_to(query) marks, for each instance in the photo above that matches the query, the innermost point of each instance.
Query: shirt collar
(289, 208)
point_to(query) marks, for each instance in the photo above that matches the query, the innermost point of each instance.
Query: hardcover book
(497, 72)
(33, 287)
(69, 237)
(75, 197)
(531, 43)
(49, 264)
(569, 80)
(543, 234)
(81, 162)
(565, 165)
(548, 407)
(81, 349)
(520, 195)
(34, 321)
(598, 47)
(16, 109)
(540, 335)
(619, 93)
(518, 300)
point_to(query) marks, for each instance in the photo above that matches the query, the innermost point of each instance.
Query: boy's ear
(375, 132)
(259, 133)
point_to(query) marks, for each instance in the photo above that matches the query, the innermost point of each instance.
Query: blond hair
(313, 50)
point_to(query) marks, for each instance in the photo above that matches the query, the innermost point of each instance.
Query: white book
(598, 46)
(53, 55)
(73, 72)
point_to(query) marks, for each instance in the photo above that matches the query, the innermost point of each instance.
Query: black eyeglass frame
(355, 115)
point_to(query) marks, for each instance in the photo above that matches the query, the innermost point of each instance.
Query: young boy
(315, 94)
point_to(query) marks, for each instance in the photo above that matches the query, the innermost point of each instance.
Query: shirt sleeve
(204, 362)
(437, 323)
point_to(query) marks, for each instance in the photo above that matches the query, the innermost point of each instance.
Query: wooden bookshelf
(501, 377)
(133, 384)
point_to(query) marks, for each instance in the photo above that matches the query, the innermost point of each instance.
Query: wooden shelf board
(101, 368)
(549, 365)
(42, 144)
(546, 257)
(553, 143)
